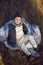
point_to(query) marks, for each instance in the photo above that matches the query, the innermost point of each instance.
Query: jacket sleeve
(36, 33)
(33, 30)
(4, 31)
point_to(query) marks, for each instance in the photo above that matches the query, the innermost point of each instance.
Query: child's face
(17, 20)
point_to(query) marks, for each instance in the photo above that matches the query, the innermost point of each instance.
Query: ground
(32, 11)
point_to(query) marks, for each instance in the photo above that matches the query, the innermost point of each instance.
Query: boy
(18, 34)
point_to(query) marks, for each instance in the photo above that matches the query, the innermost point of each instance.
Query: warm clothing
(19, 32)
(9, 35)
(13, 35)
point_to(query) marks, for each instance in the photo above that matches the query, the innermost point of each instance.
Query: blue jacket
(32, 30)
